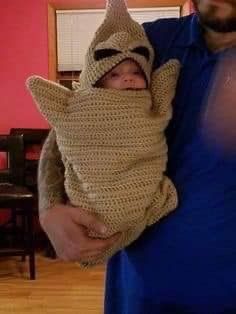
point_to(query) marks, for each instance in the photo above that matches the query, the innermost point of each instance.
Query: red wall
(24, 51)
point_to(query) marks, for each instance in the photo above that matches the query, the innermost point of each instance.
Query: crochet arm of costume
(163, 86)
(50, 97)
(164, 81)
(50, 175)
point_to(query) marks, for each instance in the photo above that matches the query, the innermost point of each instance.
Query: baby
(110, 129)
(126, 75)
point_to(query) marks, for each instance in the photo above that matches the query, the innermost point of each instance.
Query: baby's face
(126, 75)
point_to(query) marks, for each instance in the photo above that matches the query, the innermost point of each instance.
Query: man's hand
(67, 227)
(219, 119)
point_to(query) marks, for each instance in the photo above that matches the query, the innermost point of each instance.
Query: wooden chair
(33, 142)
(19, 199)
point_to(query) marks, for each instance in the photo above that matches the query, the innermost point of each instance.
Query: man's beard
(210, 20)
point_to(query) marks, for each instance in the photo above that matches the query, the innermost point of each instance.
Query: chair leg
(32, 266)
(24, 235)
(31, 248)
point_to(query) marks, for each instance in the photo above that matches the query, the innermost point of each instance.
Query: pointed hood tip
(116, 3)
(116, 7)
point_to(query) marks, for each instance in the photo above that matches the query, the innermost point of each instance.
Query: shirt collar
(192, 33)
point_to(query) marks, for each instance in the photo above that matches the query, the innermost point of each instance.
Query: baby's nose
(128, 78)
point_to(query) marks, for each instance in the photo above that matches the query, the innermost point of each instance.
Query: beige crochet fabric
(112, 142)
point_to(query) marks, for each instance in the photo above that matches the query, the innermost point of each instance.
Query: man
(186, 263)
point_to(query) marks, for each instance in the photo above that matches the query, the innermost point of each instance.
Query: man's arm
(50, 175)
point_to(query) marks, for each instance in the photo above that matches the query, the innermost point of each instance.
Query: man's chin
(219, 25)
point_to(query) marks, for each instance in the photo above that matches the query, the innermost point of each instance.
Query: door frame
(95, 4)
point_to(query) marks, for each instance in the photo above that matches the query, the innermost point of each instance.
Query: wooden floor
(60, 288)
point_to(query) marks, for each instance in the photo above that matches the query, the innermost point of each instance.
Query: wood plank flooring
(60, 288)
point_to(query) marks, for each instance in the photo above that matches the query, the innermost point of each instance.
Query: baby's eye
(114, 74)
(137, 73)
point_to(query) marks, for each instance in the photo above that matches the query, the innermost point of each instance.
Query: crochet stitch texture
(112, 142)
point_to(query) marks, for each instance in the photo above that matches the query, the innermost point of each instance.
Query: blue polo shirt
(187, 262)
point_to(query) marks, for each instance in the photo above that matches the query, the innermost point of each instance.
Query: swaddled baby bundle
(112, 142)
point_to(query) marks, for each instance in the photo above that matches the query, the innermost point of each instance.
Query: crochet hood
(119, 37)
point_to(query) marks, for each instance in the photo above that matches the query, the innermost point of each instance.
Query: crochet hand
(67, 226)
(51, 98)
(164, 81)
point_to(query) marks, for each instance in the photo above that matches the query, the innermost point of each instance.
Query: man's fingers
(101, 244)
(90, 256)
(68, 229)
(88, 220)
(88, 248)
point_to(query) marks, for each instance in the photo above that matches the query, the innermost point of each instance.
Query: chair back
(33, 142)
(13, 146)
(31, 136)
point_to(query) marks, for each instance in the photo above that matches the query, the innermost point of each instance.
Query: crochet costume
(112, 141)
